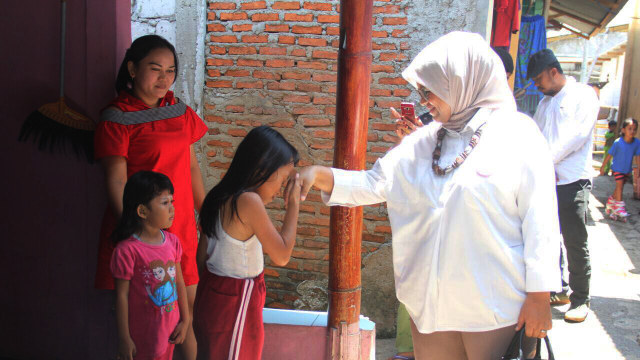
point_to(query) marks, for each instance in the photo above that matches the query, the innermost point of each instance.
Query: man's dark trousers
(573, 200)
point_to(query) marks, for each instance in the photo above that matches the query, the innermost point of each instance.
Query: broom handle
(62, 43)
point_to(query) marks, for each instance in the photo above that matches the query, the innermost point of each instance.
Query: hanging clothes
(533, 38)
(505, 22)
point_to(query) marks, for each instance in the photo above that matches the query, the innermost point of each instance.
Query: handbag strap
(538, 347)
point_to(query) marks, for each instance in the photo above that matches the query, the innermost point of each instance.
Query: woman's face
(440, 110)
(153, 76)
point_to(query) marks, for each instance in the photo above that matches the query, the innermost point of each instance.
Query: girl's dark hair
(140, 189)
(629, 121)
(259, 155)
(140, 48)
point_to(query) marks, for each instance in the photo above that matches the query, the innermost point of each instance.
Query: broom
(55, 126)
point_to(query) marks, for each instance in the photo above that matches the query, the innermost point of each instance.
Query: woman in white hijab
(471, 202)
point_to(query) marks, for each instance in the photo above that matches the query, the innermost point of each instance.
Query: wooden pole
(630, 90)
(352, 114)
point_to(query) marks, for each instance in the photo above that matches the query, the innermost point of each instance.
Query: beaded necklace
(460, 158)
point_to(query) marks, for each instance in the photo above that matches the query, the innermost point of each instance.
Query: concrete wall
(53, 203)
(274, 62)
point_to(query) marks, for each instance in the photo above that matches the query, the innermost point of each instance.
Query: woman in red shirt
(147, 128)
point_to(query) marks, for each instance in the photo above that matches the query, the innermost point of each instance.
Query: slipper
(401, 357)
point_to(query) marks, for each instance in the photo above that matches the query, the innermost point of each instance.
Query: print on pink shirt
(164, 294)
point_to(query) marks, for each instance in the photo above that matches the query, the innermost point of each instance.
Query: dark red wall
(52, 204)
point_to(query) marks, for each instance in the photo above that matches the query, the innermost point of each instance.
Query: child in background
(622, 151)
(609, 138)
(236, 230)
(152, 312)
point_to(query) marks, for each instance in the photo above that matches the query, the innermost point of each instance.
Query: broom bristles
(53, 136)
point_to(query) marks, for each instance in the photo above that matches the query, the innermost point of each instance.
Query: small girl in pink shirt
(151, 299)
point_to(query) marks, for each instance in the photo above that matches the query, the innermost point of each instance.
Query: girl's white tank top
(234, 258)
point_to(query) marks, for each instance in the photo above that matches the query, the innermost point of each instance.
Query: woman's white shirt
(468, 245)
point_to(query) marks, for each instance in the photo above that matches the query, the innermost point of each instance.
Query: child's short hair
(140, 189)
(629, 121)
(613, 123)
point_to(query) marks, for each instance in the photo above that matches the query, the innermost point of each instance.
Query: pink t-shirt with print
(153, 295)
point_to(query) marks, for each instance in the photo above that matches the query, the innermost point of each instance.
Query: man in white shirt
(566, 116)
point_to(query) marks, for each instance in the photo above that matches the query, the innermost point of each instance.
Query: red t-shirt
(505, 21)
(157, 145)
(153, 293)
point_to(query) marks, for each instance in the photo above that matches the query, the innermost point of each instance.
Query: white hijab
(462, 70)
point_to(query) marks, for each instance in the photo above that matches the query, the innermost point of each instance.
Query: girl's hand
(292, 190)
(126, 348)
(179, 333)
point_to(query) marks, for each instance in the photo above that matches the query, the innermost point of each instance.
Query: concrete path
(612, 330)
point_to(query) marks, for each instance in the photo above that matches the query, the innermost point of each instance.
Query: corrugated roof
(583, 17)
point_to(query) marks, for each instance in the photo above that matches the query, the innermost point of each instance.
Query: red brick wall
(275, 63)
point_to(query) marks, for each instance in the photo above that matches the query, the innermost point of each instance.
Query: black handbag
(514, 351)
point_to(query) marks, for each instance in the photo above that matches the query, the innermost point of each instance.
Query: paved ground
(612, 330)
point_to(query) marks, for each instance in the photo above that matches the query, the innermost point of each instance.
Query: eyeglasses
(424, 93)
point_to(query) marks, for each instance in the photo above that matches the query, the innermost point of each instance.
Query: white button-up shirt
(468, 245)
(567, 121)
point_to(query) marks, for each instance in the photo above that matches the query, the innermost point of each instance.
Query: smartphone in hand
(408, 111)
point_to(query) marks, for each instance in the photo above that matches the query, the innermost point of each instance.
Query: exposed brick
(296, 76)
(216, 28)
(316, 65)
(401, 92)
(233, 16)
(276, 28)
(271, 272)
(325, 77)
(380, 92)
(335, 19)
(211, 16)
(318, 6)
(335, 43)
(216, 119)
(397, 33)
(282, 85)
(309, 87)
(284, 39)
(242, 50)
(392, 81)
(224, 39)
(299, 29)
(273, 51)
(234, 108)
(305, 110)
(219, 143)
(306, 231)
(390, 138)
(297, 98)
(255, 38)
(248, 62)
(376, 68)
(265, 17)
(222, 6)
(306, 254)
(283, 124)
(298, 17)
(242, 27)
(212, 153)
(312, 42)
(286, 5)
(219, 84)
(265, 75)
(379, 34)
(324, 134)
(249, 85)
(404, 45)
(299, 52)
(333, 30)
(383, 229)
(384, 126)
(387, 56)
(322, 54)
(308, 208)
(324, 100)
(394, 21)
(221, 62)
(277, 305)
(387, 9)
(279, 63)
(216, 50)
(379, 149)
(254, 5)
(383, 46)
(322, 145)
(213, 72)
(237, 132)
(330, 110)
